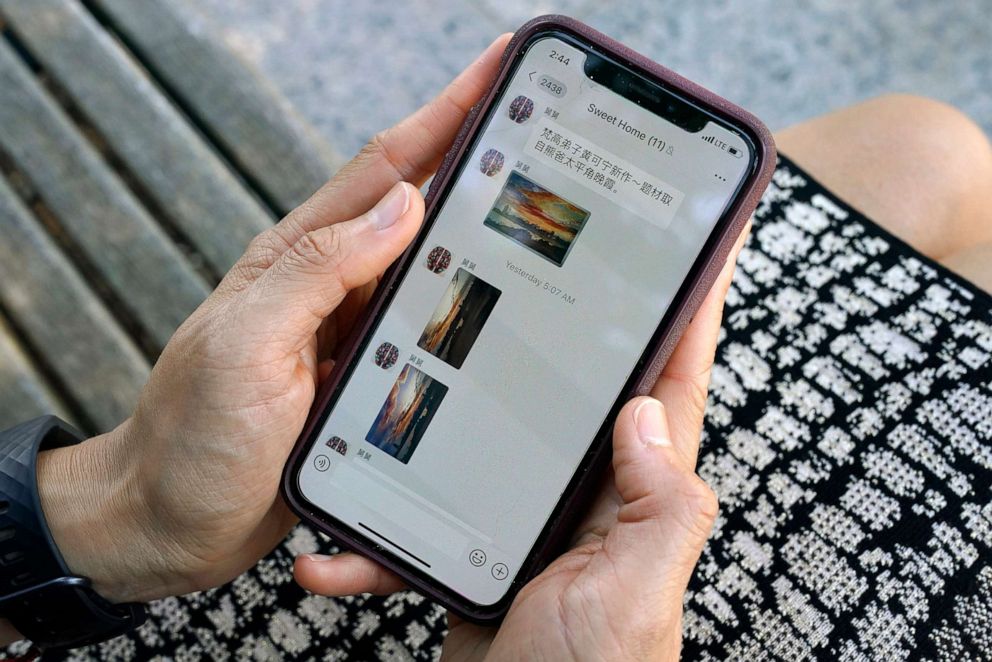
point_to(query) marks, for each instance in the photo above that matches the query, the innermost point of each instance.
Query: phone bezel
(593, 462)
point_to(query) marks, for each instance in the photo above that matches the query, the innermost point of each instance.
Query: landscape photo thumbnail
(458, 318)
(406, 414)
(536, 218)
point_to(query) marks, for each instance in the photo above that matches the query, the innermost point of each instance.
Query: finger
(344, 574)
(338, 326)
(661, 528)
(684, 426)
(324, 369)
(684, 381)
(602, 514)
(693, 354)
(467, 641)
(641, 442)
(290, 300)
(664, 502)
(308, 358)
(412, 149)
(409, 151)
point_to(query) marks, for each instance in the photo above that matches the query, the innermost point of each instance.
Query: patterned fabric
(849, 438)
(848, 435)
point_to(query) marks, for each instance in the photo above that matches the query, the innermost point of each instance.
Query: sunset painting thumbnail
(458, 318)
(536, 218)
(406, 413)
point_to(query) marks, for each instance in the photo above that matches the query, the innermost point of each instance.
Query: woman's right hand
(617, 593)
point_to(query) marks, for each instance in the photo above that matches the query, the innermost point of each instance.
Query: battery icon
(733, 151)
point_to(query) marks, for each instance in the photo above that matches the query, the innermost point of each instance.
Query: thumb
(307, 282)
(666, 506)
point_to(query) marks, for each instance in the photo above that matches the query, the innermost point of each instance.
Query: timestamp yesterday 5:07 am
(556, 291)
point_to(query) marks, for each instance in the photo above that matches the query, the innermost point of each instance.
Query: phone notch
(644, 92)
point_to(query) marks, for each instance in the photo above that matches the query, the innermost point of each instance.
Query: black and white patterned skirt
(848, 436)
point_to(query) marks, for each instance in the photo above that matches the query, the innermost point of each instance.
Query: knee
(925, 169)
(917, 166)
(938, 143)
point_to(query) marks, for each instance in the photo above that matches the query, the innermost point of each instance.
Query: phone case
(698, 283)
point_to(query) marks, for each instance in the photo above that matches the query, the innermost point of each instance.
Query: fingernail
(649, 418)
(317, 558)
(393, 205)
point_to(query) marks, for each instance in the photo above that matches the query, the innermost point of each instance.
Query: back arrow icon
(531, 76)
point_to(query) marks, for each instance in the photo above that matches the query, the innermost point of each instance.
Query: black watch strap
(38, 594)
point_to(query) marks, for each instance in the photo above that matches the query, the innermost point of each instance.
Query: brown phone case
(697, 284)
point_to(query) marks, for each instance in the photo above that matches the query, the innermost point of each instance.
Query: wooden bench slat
(143, 267)
(258, 129)
(23, 392)
(99, 365)
(177, 168)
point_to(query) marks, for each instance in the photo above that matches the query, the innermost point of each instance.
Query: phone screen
(568, 231)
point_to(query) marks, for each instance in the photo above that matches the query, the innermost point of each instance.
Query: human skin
(183, 495)
(918, 167)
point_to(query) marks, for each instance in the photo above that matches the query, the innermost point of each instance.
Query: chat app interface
(570, 229)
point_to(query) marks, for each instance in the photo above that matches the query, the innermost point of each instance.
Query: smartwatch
(39, 595)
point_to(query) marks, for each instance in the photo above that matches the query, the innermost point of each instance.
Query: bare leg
(974, 264)
(917, 167)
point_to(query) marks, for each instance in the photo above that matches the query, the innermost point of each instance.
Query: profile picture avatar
(386, 355)
(491, 162)
(438, 260)
(521, 109)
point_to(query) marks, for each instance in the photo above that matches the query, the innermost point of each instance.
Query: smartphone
(570, 235)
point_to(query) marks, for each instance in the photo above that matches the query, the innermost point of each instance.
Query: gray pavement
(354, 67)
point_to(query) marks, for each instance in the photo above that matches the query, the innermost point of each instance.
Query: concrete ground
(354, 67)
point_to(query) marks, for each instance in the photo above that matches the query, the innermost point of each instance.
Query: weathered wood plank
(176, 167)
(138, 261)
(23, 392)
(98, 364)
(276, 149)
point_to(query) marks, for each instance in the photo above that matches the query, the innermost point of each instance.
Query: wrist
(92, 501)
